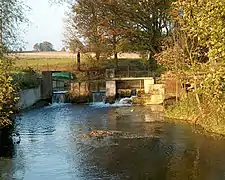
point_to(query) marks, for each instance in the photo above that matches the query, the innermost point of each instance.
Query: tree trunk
(97, 54)
(116, 59)
(1, 38)
(78, 61)
(115, 51)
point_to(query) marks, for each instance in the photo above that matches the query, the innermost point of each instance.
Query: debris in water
(101, 133)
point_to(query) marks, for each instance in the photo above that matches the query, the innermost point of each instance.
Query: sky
(46, 24)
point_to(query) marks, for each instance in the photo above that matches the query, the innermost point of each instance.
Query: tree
(195, 52)
(44, 46)
(86, 18)
(203, 22)
(114, 32)
(63, 49)
(11, 16)
(36, 47)
(117, 25)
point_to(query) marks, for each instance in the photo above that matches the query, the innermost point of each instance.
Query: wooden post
(176, 90)
(128, 70)
(79, 87)
(78, 61)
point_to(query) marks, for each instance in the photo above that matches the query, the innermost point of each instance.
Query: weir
(107, 87)
(59, 97)
(98, 96)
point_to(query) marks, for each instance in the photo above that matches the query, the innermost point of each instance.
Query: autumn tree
(11, 16)
(113, 25)
(117, 25)
(197, 51)
(86, 19)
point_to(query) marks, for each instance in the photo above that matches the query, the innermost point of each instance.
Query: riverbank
(191, 115)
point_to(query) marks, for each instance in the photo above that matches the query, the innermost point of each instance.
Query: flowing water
(59, 97)
(53, 147)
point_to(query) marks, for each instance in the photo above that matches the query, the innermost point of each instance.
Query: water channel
(52, 146)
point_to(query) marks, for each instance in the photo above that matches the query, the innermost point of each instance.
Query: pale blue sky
(46, 23)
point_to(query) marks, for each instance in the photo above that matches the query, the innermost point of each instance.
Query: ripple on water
(52, 146)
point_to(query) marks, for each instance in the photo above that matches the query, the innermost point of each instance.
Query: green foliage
(44, 46)
(115, 26)
(209, 117)
(204, 21)
(8, 97)
(11, 17)
(187, 109)
(26, 79)
(195, 53)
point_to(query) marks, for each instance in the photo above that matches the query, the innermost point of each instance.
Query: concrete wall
(155, 95)
(29, 97)
(110, 91)
(147, 84)
(46, 87)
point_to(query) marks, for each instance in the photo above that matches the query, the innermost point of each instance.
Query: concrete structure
(114, 85)
(148, 82)
(46, 85)
(82, 91)
(155, 95)
(110, 91)
(29, 97)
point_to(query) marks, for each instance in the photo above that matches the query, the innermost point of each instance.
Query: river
(52, 146)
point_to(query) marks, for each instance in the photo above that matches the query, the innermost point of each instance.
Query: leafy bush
(8, 96)
(26, 79)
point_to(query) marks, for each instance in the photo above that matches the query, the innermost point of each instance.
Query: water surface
(52, 146)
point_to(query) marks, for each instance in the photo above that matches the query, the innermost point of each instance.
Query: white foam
(124, 102)
(57, 105)
(60, 92)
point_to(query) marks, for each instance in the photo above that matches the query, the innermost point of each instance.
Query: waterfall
(98, 96)
(99, 103)
(59, 97)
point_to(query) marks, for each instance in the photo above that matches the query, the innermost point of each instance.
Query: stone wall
(46, 85)
(29, 97)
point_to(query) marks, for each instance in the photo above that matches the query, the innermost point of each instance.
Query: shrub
(26, 79)
(8, 97)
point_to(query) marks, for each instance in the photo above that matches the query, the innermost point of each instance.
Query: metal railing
(129, 74)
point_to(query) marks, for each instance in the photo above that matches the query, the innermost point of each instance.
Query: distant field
(68, 55)
(62, 60)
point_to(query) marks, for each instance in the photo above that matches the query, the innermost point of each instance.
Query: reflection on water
(52, 146)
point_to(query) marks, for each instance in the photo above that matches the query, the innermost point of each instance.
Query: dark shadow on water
(6, 143)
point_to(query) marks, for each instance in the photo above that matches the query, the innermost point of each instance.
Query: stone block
(155, 99)
(147, 84)
(110, 88)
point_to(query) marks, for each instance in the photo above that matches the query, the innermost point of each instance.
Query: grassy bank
(189, 111)
(67, 62)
